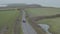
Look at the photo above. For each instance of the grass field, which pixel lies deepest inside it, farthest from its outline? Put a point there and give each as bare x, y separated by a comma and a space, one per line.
8, 17
54, 23
43, 11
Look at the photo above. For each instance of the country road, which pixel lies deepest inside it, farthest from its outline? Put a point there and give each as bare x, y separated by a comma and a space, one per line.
26, 27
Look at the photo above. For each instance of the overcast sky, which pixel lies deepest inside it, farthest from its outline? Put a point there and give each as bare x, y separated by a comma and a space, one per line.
42, 2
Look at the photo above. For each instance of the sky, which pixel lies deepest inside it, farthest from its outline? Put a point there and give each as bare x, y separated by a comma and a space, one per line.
53, 3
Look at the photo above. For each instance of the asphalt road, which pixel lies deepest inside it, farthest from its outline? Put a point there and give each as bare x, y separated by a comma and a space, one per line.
27, 28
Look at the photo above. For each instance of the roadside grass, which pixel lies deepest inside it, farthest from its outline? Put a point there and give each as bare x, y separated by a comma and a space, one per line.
54, 23
20, 18
21, 30
8, 17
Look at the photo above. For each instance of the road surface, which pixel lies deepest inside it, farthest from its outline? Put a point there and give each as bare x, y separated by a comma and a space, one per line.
27, 28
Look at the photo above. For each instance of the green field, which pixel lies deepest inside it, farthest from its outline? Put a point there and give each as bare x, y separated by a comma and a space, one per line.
54, 23
8, 17
43, 11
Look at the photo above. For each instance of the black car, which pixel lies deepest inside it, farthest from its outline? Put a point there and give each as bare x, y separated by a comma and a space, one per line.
24, 21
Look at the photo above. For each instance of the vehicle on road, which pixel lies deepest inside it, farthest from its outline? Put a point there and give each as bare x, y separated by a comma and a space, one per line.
24, 21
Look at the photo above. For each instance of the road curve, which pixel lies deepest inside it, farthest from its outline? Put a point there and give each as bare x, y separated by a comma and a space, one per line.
27, 28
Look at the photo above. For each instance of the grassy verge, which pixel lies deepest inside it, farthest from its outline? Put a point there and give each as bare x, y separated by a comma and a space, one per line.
54, 23
21, 31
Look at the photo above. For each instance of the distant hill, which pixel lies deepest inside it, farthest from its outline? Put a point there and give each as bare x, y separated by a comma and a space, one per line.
22, 5
16, 5
34, 5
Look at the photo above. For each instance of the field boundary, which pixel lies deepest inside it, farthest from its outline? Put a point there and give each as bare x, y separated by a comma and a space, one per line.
45, 17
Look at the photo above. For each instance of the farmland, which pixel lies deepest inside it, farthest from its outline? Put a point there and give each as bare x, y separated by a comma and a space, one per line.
8, 17
54, 22
43, 11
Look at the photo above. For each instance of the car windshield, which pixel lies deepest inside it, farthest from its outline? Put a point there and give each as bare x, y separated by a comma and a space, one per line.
29, 16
